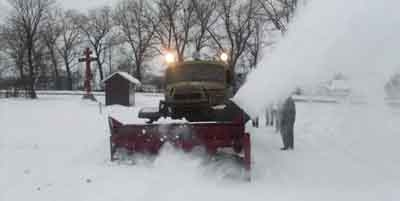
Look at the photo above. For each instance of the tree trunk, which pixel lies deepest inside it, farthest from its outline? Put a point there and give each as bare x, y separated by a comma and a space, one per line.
57, 78
138, 71
31, 83
21, 72
55, 66
101, 71
110, 60
69, 76
100, 66
20, 64
180, 57
234, 83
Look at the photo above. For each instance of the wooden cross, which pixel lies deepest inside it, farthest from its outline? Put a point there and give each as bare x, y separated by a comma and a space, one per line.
88, 74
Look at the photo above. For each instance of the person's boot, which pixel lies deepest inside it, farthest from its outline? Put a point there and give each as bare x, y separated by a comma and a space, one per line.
284, 148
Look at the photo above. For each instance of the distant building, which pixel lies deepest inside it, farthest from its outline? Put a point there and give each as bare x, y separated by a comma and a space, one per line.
392, 88
148, 88
120, 89
337, 87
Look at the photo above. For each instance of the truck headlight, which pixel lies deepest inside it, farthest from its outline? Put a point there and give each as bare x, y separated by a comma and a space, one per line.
224, 57
169, 58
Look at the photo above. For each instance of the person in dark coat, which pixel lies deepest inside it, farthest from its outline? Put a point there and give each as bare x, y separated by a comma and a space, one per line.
269, 116
288, 117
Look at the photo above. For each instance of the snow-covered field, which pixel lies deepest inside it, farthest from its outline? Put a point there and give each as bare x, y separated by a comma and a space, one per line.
56, 148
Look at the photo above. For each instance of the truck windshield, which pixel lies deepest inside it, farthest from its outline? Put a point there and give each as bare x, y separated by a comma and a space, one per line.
196, 72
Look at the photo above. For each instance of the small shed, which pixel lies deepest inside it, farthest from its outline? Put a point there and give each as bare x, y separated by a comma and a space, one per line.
120, 89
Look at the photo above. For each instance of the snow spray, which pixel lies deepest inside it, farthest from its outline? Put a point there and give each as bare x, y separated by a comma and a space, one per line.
359, 38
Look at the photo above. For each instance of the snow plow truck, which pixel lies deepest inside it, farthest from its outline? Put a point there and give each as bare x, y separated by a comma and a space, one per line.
199, 92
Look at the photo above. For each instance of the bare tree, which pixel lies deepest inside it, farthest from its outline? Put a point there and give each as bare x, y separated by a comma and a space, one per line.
13, 45
29, 15
3, 61
176, 22
288, 9
273, 13
279, 12
50, 33
42, 64
206, 17
255, 44
69, 41
97, 26
260, 40
138, 26
238, 24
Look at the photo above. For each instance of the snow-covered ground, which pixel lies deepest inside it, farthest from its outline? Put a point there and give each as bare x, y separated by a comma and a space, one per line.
56, 148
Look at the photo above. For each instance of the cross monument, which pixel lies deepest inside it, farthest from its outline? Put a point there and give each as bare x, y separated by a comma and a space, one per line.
88, 74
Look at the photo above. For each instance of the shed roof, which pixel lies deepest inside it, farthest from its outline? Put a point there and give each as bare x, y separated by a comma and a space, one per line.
124, 75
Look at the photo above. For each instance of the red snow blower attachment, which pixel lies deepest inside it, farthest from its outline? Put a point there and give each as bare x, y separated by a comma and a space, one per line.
149, 138
224, 134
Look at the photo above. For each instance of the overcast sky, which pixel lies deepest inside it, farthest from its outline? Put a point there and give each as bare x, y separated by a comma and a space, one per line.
81, 5
85, 4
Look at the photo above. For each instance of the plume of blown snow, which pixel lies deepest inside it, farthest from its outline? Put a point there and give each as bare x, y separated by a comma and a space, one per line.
358, 38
